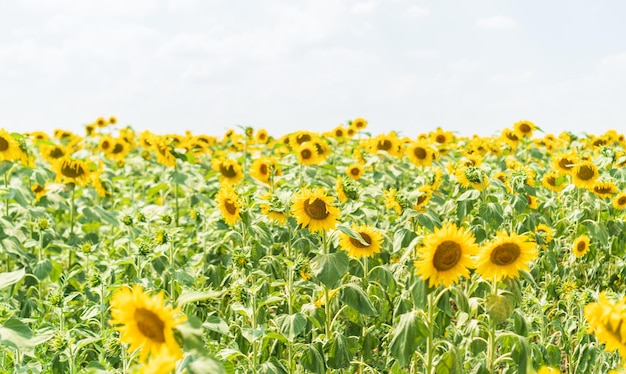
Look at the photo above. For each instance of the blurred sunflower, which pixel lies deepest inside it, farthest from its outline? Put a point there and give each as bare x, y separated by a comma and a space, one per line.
229, 204
101, 122
53, 152
322, 148
420, 153
545, 232
119, 150
509, 137
145, 323
300, 137
441, 137
585, 174
261, 136
346, 189
367, 246
359, 124
69, 170
391, 199
355, 171
548, 370
229, 170
274, 208
524, 128
564, 162
446, 255
553, 181
580, 247
425, 194
471, 176
619, 201
38, 190
339, 132
38, 136
307, 154
262, 168
505, 255
163, 149
314, 210
9, 147
161, 364
607, 321
388, 143
604, 189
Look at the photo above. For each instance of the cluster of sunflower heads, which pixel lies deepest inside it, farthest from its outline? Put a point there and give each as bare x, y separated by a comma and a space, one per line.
607, 321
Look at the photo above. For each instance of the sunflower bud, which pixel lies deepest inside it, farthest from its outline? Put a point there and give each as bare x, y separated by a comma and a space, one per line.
43, 224
127, 220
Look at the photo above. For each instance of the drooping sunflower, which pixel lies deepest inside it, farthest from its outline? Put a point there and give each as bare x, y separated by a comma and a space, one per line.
607, 321
471, 176
619, 201
505, 255
391, 198
9, 147
446, 255
314, 210
307, 154
420, 153
580, 247
230, 171
604, 189
346, 189
368, 246
524, 128
545, 232
163, 148
229, 204
146, 323
585, 174
69, 170
355, 171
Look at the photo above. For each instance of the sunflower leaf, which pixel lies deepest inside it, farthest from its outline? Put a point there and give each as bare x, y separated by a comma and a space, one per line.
7, 279
410, 331
356, 298
329, 268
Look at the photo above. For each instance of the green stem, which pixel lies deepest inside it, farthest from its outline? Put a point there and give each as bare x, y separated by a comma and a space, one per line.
491, 349
171, 263
328, 324
430, 341
73, 188
6, 184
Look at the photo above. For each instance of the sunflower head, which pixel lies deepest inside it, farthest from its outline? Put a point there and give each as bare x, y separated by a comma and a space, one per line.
524, 128
355, 171
585, 174
619, 201
420, 153
580, 247
314, 210
606, 320
505, 256
229, 204
307, 154
229, 170
365, 241
69, 170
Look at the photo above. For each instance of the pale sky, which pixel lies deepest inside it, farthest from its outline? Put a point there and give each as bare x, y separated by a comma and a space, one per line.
411, 66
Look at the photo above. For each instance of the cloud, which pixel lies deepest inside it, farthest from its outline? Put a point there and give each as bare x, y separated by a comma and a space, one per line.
416, 12
422, 54
364, 7
496, 22
611, 70
504, 78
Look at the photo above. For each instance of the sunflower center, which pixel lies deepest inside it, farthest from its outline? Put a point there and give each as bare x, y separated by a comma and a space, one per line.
150, 325
420, 153
384, 145
38, 189
421, 199
263, 169
447, 255
354, 171
106, 145
72, 170
565, 164
525, 128
585, 173
339, 133
228, 171
306, 154
622, 200
581, 246
230, 206
551, 180
118, 148
602, 190
512, 136
366, 238
303, 138
505, 254
4, 145
440, 139
316, 209
57, 153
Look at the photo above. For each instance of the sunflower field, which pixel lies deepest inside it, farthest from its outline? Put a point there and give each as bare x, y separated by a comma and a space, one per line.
314, 252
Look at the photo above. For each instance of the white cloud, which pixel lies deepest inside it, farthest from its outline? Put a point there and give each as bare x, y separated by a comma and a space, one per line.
364, 7
415, 12
496, 22
422, 54
611, 70
504, 78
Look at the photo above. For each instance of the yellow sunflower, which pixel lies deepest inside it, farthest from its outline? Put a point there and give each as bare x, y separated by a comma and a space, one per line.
580, 247
509, 137
9, 147
314, 210
391, 200
261, 136
274, 208
604, 189
388, 143
446, 255
163, 148
545, 232
607, 321
230, 170
585, 174
119, 150
69, 170
261, 169
145, 323
339, 132
359, 123
307, 154
553, 181
564, 162
548, 370
420, 153
471, 176
368, 246
161, 364
425, 194
38, 190
229, 204
524, 128
505, 255
441, 137
101, 122
619, 201
355, 171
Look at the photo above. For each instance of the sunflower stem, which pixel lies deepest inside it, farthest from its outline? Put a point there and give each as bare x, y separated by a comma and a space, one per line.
429, 342
73, 188
176, 195
6, 185
491, 349
327, 325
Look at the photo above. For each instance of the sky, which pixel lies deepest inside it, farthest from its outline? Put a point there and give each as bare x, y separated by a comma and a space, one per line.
471, 67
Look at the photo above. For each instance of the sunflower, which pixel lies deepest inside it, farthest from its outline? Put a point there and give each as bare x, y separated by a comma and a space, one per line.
274, 208
619, 201
69, 170
367, 246
38, 136
607, 321
425, 194
585, 174
119, 150
314, 210
359, 123
391, 200
388, 143
261, 169
471, 176
446, 255
101, 122
161, 364
524, 128
307, 154
580, 247
9, 147
564, 162
163, 148
505, 255
604, 189
420, 153
322, 148
301, 137
38, 190
355, 171
553, 181
509, 137
229, 204
145, 323
339, 132
261, 136
98, 185
441, 137
346, 189
545, 232
532, 201
230, 170
548, 370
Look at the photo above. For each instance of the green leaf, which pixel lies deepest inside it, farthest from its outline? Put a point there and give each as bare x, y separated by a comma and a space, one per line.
7, 279
407, 335
206, 365
291, 325
355, 297
353, 234
341, 349
329, 268
194, 296
469, 195
450, 363
313, 360
43, 269
216, 324
18, 335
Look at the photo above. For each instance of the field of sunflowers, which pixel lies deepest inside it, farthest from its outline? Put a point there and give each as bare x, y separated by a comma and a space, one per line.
333, 252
